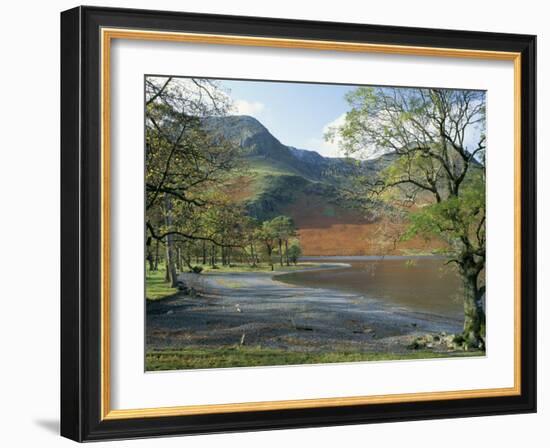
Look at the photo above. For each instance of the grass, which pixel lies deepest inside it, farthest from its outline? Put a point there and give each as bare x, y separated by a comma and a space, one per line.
210, 358
259, 166
155, 286
264, 177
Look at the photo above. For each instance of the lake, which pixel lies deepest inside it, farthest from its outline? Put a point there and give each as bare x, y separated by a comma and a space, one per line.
422, 284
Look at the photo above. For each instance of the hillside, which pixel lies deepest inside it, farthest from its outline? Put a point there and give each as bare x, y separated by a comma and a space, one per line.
306, 186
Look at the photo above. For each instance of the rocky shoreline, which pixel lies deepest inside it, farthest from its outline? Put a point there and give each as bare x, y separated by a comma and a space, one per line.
228, 309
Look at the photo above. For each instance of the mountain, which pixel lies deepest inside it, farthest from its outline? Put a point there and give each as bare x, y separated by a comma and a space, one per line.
262, 149
304, 185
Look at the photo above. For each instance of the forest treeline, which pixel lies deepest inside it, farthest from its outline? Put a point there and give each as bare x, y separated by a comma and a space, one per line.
192, 219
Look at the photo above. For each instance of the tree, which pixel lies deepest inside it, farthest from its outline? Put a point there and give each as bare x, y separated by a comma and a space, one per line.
268, 235
284, 229
226, 222
187, 162
171, 274
438, 177
294, 251
251, 232
184, 156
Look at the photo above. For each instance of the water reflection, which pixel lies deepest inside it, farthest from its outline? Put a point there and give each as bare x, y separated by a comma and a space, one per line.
420, 284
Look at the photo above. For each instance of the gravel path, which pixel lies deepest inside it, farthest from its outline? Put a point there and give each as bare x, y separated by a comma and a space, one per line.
256, 309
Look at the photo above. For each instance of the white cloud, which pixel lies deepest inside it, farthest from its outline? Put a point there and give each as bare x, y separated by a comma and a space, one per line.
243, 107
335, 144
337, 122
333, 148
328, 148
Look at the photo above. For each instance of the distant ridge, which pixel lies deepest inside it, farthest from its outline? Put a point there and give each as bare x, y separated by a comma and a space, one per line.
259, 144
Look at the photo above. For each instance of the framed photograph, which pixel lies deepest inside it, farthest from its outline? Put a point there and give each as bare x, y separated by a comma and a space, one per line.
273, 223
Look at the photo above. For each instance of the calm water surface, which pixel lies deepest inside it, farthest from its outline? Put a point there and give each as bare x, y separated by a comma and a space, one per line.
423, 284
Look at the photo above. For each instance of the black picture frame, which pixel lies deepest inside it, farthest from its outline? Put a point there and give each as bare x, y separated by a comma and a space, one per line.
81, 224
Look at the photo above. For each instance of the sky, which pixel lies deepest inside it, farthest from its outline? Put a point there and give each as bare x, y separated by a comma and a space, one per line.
297, 114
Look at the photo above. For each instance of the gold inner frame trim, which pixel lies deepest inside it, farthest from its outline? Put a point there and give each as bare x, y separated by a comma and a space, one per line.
107, 35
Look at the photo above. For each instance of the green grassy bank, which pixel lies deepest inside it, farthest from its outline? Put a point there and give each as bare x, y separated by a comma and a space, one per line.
155, 286
209, 358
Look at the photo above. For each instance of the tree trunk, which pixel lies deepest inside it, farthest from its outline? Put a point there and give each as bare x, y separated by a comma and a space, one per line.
170, 252
213, 256
252, 254
156, 267
204, 252
166, 257
178, 259
280, 252
269, 253
286, 253
474, 314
